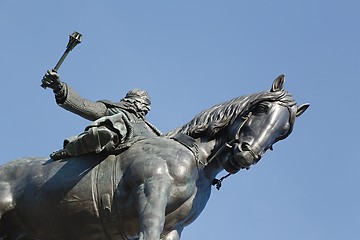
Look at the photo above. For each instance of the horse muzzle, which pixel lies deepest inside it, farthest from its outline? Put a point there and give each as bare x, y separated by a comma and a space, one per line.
243, 157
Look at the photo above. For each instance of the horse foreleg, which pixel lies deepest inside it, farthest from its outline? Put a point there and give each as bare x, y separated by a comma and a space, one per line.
152, 200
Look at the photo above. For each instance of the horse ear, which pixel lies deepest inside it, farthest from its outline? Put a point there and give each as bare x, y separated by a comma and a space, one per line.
301, 109
278, 83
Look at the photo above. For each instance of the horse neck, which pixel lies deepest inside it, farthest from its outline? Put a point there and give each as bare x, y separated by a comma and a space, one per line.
207, 151
207, 147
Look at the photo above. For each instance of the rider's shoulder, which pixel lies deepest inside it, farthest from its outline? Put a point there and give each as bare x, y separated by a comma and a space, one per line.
110, 104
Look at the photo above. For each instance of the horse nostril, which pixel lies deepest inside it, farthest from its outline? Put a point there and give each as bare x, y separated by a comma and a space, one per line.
245, 146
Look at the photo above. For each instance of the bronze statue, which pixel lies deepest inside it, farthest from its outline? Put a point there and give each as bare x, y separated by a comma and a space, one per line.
116, 125
153, 189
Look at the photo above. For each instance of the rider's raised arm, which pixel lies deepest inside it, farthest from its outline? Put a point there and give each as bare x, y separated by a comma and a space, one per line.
70, 100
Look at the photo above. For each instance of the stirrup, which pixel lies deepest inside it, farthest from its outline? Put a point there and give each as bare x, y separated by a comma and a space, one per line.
59, 154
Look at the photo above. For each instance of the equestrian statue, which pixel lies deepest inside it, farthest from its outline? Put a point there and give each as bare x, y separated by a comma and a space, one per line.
122, 179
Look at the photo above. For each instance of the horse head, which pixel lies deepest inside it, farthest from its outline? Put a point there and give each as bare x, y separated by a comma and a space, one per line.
268, 119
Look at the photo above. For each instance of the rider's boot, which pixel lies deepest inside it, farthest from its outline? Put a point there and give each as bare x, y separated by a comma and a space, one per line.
59, 154
95, 139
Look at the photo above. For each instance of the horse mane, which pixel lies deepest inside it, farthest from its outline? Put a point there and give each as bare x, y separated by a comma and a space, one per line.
216, 118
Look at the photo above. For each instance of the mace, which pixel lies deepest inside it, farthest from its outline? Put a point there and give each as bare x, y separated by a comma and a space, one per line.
74, 39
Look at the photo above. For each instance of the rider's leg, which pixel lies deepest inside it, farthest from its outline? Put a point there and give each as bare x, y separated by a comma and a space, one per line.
95, 139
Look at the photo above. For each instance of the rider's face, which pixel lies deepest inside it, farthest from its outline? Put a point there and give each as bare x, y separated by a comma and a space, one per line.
143, 108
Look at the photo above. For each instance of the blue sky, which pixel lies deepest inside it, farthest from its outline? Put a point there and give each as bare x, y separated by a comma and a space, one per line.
190, 55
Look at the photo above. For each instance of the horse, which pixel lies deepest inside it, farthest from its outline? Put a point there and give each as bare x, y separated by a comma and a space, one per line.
155, 188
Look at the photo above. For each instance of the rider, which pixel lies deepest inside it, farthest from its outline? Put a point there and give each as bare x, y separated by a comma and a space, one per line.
115, 125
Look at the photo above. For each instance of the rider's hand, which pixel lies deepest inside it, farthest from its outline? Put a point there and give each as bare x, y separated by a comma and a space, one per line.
52, 80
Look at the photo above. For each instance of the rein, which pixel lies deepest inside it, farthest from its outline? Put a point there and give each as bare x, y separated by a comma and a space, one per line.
217, 182
228, 146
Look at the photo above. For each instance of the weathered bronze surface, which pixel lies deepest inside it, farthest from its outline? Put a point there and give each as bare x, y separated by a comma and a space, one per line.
152, 190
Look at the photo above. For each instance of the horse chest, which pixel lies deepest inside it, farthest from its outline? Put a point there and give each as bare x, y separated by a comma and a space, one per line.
190, 209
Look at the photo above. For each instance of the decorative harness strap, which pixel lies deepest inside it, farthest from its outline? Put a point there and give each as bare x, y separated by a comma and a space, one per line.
189, 143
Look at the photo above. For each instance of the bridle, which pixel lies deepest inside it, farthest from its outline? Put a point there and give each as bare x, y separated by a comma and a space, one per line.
236, 140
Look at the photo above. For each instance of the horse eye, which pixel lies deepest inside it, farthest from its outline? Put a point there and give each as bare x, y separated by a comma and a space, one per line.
261, 108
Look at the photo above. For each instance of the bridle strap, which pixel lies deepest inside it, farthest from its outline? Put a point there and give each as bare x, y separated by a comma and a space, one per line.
189, 143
